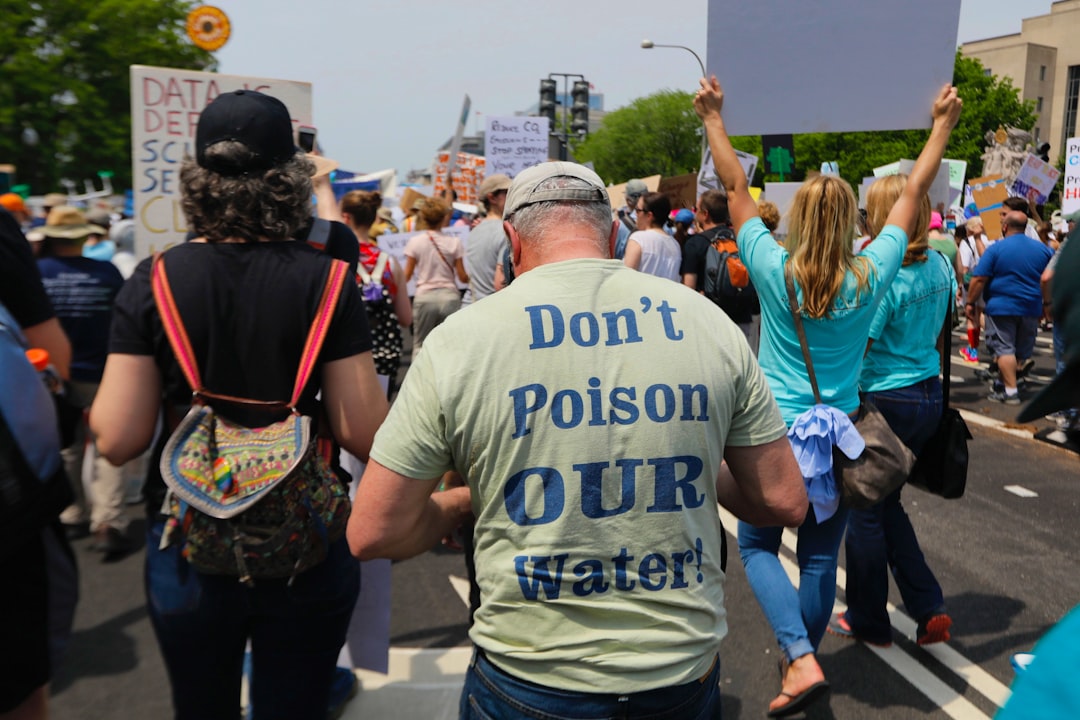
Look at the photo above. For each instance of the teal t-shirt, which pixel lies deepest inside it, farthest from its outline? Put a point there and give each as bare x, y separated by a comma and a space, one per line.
587, 406
837, 341
907, 324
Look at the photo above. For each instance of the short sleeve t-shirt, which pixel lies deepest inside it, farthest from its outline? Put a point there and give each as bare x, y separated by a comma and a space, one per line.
590, 427
837, 342
432, 271
660, 254
486, 243
1013, 267
247, 308
82, 291
907, 324
693, 255
21, 290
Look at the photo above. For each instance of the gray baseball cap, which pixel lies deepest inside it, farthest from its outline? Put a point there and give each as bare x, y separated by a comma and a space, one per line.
523, 190
636, 187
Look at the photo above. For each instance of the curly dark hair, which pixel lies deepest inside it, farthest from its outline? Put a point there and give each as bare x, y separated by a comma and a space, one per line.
273, 204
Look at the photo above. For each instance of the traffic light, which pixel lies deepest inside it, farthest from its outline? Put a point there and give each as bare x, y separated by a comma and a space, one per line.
547, 100
579, 109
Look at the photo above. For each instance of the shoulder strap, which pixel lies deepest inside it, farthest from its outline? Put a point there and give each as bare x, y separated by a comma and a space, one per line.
946, 342
174, 325
335, 280
319, 233
185, 355
449, 264
380, 264
793, 304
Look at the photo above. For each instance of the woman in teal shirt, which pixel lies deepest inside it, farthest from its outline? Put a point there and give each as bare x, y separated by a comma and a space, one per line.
900, 376
838, 293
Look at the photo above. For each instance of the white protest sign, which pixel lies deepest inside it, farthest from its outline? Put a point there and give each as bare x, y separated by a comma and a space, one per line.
512, 144
1070, 193
886, 170
781, 195
817, 52
707, 179
1035, 174
165, 108
957, 173
864, 188
940, 193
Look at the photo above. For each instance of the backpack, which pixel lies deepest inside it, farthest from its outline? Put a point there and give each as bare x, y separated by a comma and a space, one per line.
386, 343
251, 502
34, 488
727, 282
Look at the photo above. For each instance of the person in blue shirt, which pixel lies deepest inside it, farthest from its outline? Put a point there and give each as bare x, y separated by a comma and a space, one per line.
1007, 276
838, 293
900, 376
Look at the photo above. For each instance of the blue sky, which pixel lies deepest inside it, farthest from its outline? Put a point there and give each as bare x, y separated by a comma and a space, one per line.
389, 75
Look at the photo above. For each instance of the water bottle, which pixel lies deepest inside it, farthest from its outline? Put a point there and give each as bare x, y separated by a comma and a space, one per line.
39, 358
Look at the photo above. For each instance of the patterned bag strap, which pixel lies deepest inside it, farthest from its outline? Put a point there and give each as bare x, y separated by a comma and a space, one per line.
449, 264
793, 304
335, 281
185, 355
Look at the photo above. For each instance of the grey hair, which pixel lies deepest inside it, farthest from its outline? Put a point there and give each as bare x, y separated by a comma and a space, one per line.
545, 219
272, 204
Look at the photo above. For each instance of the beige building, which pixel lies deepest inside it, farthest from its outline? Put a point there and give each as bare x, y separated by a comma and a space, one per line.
1043, 61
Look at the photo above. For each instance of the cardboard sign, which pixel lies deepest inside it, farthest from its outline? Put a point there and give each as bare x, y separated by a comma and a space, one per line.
819, 51
682, 189
707, 179
1070, 193
469, 172
165, 108
512, 144
988, 194
617, 193
1038, 175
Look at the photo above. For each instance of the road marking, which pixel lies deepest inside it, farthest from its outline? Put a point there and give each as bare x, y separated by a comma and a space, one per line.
979, 419
922, 679
461, 587
1021, 491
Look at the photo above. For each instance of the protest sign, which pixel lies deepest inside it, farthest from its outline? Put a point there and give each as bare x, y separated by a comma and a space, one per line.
1070, 193
617, 193
781, 195
165, 108
707, 179
816, 55
939, 192
682, 189
1038, 175
459, 133
957, 173
512, 144
408, 197
886, 170
866, 183
830, 167
468, 174
988, 194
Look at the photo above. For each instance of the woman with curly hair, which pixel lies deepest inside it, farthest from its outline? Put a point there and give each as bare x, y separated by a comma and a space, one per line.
435, 260
837, 294
247, 295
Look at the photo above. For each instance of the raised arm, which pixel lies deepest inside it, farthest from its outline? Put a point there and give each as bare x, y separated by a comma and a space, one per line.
708, 103
946, 111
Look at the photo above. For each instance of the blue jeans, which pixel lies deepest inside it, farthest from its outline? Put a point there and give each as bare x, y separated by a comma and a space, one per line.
202, 623
881, 538
798, 619
491, 694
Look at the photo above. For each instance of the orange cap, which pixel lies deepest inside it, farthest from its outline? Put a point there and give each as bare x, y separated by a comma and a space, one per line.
38, 357
13, 202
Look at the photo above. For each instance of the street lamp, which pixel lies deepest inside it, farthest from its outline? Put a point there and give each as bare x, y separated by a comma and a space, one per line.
649, 45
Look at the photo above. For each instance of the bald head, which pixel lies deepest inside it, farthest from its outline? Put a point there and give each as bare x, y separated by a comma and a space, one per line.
1014, 222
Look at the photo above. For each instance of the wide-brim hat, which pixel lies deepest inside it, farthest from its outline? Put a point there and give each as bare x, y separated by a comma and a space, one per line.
323, 166
68, 223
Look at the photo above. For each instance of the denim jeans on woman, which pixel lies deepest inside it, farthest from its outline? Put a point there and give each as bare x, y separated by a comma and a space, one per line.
798, 618
202, 623
491, 694
881, 537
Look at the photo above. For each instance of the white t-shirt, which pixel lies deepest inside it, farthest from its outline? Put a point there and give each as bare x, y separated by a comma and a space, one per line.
660, 254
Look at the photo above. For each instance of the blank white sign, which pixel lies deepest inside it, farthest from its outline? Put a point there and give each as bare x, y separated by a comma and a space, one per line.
800, 66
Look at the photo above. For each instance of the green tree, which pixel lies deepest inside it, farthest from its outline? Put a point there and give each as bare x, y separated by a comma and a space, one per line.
64, 80
656, 134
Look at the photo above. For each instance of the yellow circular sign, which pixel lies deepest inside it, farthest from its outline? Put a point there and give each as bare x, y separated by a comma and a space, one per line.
208, 27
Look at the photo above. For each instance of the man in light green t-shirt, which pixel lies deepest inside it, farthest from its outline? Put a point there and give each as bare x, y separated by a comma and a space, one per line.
589, 409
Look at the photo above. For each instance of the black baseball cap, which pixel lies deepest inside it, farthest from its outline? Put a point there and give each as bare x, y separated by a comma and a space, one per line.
254, 119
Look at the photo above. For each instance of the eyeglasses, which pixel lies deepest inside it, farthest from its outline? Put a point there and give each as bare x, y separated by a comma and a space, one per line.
641, 210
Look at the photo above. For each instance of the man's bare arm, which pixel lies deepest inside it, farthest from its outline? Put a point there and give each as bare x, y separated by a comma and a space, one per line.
763, 485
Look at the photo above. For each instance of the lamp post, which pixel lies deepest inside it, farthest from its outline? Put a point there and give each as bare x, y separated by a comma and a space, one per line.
649, 45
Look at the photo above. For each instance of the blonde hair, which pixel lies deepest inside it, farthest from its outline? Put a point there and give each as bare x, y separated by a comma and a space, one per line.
821, 229
433, 211
880, 199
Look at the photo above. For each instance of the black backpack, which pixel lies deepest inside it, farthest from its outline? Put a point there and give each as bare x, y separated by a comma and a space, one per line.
727, 281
